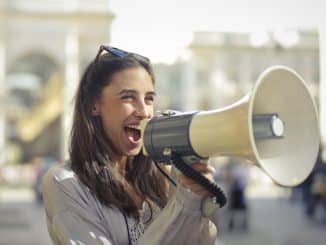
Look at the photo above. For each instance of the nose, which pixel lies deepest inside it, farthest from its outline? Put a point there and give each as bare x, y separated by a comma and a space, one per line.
143, 111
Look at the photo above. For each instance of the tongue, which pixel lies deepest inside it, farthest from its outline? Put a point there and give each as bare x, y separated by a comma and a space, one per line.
132, 134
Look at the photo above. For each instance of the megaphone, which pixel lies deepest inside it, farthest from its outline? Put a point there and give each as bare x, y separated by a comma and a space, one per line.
275, 127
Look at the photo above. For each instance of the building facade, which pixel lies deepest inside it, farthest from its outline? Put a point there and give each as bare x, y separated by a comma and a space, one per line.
44, 45
226, 65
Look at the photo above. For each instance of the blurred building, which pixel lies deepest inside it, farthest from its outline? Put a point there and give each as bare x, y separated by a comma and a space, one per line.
44, 44
226, 65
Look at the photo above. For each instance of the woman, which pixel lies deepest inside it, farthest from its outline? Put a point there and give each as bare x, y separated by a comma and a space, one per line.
109, 192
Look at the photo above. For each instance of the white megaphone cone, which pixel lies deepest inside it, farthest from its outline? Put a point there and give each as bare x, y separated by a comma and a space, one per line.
275, 126
287, 160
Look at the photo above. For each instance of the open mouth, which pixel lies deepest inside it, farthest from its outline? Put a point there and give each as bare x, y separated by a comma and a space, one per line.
133, 134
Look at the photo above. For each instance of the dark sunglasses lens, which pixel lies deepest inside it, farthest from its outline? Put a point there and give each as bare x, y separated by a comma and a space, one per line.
141, 58
121, 54
117, 52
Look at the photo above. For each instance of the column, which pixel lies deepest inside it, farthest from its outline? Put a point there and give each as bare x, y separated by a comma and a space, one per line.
70, 84
2, 102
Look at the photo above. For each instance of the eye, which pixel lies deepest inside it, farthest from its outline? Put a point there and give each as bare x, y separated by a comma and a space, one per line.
127, 97
150, 99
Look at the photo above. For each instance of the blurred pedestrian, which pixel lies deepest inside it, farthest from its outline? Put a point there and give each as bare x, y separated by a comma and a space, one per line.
314, 189
43, 164
238, 205
317, 191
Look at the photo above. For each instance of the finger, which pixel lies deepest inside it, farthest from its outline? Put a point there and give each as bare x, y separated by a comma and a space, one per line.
203, 167
203, 193
198, 189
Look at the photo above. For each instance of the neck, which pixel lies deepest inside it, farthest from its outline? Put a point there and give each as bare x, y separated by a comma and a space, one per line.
121, 165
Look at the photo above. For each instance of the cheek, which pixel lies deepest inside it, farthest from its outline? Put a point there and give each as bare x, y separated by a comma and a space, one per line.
113, 119
150, 109
108, 126
151, 112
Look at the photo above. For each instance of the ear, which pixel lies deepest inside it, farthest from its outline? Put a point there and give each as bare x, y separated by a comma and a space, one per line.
96, 110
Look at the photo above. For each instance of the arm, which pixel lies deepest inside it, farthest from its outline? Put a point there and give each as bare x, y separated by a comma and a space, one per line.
72, 215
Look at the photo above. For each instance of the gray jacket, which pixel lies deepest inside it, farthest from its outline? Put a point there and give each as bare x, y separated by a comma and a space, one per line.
75, 216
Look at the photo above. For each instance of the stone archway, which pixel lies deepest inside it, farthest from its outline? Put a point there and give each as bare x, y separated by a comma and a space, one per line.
44, 44
33, 84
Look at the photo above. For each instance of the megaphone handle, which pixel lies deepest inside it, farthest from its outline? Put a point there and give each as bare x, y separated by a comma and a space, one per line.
209, 185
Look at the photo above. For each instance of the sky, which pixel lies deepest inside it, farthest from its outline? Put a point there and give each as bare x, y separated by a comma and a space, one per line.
162, 30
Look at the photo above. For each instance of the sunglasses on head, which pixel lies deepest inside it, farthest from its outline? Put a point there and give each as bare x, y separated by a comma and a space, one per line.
120, 53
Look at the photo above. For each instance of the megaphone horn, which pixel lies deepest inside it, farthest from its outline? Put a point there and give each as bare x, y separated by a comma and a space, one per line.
275, 126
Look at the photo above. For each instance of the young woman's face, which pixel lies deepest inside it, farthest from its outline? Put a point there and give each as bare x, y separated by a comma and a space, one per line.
123, 103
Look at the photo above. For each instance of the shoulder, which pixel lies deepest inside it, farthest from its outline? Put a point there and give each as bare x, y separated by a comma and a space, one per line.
59, 175
62, 189
59, 172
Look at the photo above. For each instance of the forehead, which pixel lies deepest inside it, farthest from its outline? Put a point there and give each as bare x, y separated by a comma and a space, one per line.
136, 78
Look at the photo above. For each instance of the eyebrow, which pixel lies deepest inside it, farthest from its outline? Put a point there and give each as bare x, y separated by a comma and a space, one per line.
124, 91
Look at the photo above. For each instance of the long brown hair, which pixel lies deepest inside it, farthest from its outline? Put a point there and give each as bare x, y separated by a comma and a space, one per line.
92, 154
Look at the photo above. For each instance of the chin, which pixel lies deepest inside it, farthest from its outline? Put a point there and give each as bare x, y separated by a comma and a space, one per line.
133, 152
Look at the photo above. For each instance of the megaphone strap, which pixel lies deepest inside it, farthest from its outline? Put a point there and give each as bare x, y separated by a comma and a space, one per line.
209, 185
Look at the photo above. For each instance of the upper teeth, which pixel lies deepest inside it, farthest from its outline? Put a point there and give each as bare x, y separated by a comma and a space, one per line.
134, 127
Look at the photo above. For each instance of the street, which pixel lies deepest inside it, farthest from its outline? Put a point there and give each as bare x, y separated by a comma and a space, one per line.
23, 223
276, 222
273, 221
